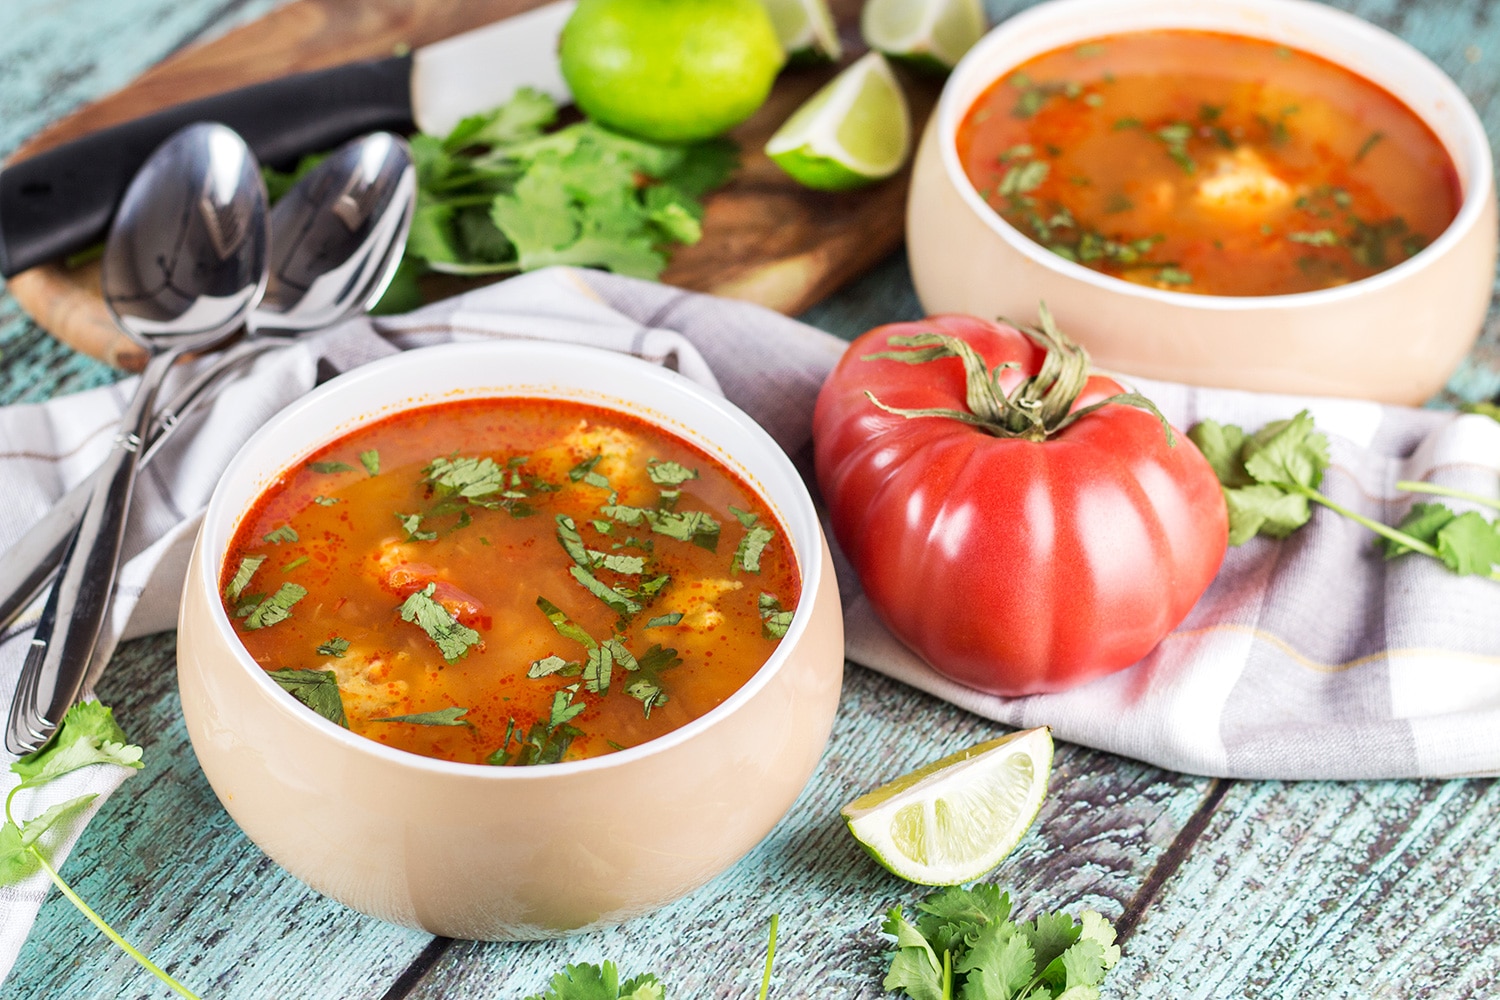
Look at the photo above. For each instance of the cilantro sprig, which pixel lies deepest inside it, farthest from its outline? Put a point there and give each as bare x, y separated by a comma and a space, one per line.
964, 943
505, 192
88, 735
1270, 479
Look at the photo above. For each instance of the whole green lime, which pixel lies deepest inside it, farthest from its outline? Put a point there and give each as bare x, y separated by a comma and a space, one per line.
670, 70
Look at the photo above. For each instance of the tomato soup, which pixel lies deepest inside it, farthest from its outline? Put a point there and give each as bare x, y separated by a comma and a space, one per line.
510, 581
1209, 163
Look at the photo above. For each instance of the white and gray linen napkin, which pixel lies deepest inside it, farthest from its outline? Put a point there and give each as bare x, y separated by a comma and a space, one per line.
1311, 657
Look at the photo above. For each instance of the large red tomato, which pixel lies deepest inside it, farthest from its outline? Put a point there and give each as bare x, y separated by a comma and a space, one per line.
1016, 543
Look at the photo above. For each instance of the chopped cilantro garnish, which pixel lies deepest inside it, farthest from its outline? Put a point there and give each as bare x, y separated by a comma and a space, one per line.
774, 620
664, 620
328, 468
276, 608
619, 602
1317, 238
470, 478
317, 689
241, 579
669, 473
323, 501
294, 564
745, 517
549, 665
747, 555
412, 525
548, 739
564, 625
582, 469
1174, 276
285, 533
371, 461
1368, 145
453, 716
337, 646
452, 637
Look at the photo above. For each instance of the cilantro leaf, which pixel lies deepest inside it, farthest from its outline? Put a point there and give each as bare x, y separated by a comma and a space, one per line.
664, 620
317, 689
1264, 509
88, 735
774, 619
549, 665
452, 716
999, 964
453, 638
412, 525
669, 473
323, 501
16, 858
1422, 522
618, 602
564, 625
915, 969
1469, 544
1287, 452
337, 646
242, 575
285, 533
747, 554
469, 478
328, 468
522, 117
276, 608
1221, 445
371, 461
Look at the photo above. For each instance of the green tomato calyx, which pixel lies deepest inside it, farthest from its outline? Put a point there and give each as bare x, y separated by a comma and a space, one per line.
1040, 406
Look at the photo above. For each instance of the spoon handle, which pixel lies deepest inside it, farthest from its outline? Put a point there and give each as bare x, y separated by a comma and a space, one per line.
65, 639
31, 563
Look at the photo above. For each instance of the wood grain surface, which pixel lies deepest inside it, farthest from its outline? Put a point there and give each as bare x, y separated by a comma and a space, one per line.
766, 238
1254, 890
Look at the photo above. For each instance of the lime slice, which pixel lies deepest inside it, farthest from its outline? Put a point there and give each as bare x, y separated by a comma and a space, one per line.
928, 34
806, 30
954, 820
857, 129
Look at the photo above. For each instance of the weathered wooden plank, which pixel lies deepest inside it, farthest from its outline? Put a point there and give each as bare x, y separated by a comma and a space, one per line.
1321, 889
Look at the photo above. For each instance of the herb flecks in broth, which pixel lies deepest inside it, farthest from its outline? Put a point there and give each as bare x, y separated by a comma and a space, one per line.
422, 578
1186, 160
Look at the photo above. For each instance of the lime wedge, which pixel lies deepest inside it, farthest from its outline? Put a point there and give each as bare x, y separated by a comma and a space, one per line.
954, 820
855, 130
806, 30
928, 34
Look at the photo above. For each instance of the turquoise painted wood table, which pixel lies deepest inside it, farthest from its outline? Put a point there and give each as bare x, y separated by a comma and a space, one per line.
1219, 888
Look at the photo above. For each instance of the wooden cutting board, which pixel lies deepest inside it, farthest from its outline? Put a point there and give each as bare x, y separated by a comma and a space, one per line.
765, 238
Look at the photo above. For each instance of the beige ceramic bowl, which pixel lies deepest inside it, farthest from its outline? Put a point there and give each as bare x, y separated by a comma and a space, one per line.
1395, 336
471, 851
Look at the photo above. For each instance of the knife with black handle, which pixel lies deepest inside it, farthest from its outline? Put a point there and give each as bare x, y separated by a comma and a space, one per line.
60, 201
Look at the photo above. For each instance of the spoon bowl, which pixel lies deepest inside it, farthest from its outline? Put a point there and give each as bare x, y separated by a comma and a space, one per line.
338, 235
184, 264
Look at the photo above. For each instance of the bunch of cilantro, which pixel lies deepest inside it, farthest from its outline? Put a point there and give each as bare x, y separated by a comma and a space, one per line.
1271, 478
964, 944
504, 192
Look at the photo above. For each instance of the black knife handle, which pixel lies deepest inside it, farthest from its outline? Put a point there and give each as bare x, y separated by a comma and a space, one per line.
60, 201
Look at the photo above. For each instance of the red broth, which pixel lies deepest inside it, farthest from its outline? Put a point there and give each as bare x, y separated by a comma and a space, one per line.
532, 580
1208, 163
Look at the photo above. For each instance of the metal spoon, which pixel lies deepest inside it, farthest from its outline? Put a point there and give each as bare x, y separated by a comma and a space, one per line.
374, 173
184, 264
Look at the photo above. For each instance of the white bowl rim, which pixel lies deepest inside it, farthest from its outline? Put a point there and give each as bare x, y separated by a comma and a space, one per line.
809, 563
1475, 151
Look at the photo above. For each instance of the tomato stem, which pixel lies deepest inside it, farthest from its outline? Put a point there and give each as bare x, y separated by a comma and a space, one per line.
1039, 406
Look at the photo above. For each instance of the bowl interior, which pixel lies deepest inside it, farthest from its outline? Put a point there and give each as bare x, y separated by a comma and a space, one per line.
1339, 37
526, 369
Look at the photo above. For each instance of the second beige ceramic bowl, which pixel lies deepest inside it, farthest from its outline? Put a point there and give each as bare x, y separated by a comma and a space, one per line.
1394, 337
470, 851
